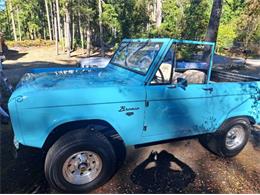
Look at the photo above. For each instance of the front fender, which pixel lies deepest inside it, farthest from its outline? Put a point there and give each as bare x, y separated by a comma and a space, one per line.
39, 123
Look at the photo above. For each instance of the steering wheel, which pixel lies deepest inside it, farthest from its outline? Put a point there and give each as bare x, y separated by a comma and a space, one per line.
145, 60
159, 79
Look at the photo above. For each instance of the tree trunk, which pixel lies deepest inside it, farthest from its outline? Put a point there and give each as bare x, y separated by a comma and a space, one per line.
61, 37
158, 13
31, 34
44, 33
48, 19
101, 28
88, 39
150, 15
63, 29
73, 32
65, 32
7, 17
68, 34
154, 11
214, 21
52, 18
34, 34
82, 39
56, 35
19, 24
81, 31
13, 22
58, 19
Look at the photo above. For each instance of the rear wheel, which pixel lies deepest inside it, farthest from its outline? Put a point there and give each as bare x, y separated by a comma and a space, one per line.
230, 139
80, 161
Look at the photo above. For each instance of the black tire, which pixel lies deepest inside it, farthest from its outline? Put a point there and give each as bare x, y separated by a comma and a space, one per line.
120, 151
71, 143
256, 135
216, 142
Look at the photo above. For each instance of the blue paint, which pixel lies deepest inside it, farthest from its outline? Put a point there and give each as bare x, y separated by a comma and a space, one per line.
192, 65
47, 98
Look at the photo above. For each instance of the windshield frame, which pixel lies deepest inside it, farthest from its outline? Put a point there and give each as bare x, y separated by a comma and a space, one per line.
144, 41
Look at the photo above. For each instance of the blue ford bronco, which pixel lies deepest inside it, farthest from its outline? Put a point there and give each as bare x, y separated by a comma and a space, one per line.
152, 91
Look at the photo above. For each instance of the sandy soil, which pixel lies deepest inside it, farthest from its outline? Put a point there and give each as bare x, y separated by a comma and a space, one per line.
199, 170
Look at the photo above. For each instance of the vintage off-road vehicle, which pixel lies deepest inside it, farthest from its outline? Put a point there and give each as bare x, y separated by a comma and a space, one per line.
152, 90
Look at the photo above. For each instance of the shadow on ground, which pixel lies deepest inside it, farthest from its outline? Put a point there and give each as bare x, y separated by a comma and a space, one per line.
14, 54
162, 176
35, 64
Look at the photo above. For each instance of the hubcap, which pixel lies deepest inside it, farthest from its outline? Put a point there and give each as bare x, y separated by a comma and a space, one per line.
82, 167
235, 137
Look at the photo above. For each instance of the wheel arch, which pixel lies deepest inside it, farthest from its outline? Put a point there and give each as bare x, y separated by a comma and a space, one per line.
251, 120
215, 142
101, 126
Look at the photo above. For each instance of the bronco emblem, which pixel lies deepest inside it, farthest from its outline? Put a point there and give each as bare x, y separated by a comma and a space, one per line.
123, 109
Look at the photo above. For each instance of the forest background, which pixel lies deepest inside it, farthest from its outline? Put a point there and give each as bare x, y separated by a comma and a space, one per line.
102, 24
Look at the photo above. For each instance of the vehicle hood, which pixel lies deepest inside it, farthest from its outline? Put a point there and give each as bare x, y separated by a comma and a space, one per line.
78, 87
76, 78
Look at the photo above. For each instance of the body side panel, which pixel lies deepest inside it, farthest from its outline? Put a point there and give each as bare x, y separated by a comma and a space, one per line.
234, 99
178, 113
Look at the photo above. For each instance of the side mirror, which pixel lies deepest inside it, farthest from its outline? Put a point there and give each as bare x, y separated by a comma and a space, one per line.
182, 83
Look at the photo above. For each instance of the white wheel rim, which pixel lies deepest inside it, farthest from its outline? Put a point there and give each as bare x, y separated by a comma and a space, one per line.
235, 137
82, 167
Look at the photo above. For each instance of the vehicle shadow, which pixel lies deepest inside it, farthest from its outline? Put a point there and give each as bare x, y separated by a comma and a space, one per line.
159, 174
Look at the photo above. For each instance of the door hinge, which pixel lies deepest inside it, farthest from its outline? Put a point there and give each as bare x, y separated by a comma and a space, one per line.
145, 128
146, 103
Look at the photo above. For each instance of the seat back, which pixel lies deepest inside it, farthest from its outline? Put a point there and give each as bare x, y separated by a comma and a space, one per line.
195, 76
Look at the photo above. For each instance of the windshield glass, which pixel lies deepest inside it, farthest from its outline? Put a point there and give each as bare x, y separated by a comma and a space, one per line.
136, 56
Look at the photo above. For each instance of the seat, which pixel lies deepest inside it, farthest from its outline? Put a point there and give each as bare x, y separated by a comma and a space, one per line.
194, 76
166, 68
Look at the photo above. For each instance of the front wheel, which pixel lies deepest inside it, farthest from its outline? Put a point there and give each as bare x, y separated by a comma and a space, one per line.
230, 139
79, 162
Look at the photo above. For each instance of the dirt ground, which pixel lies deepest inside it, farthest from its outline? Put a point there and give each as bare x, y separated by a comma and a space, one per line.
193, 170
